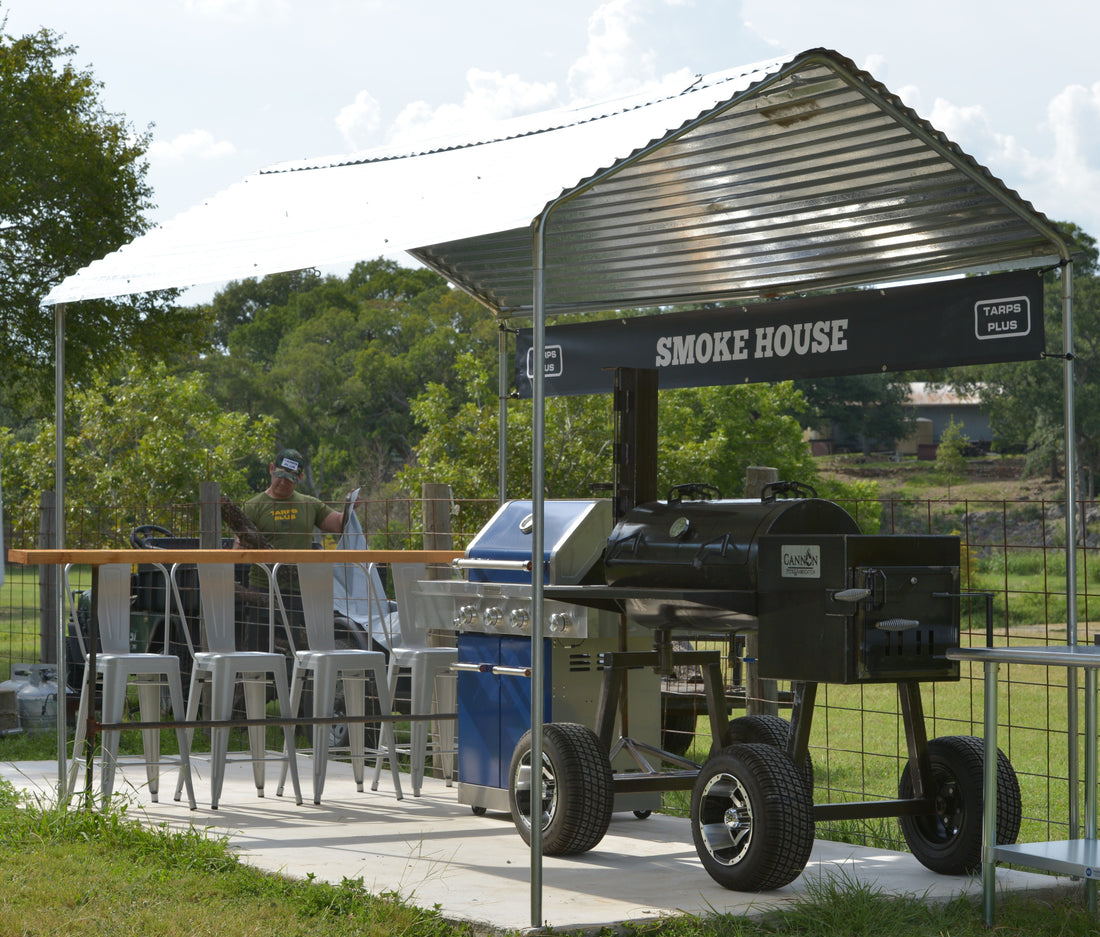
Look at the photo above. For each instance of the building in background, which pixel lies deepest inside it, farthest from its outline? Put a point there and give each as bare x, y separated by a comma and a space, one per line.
934, 407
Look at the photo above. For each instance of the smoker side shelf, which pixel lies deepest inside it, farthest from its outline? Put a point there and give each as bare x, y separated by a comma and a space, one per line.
1077, 857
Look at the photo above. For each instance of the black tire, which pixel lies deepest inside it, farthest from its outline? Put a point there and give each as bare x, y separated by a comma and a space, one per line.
950, 840
751, 818
768, 730
578, 793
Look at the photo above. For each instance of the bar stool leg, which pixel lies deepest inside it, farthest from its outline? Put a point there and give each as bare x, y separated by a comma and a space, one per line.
149, 708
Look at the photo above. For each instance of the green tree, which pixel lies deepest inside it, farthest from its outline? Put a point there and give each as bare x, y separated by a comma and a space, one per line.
714, 433
72, 188
705, 434
951, 453
337, 361
136, 446
461, 428
239, 302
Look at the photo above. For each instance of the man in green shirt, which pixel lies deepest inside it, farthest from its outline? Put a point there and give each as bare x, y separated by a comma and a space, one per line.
284, 515
287, 518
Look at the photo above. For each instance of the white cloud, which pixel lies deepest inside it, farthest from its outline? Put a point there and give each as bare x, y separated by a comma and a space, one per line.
612, 63
358, 120
490, 97
197, 144
1063, 181
619, 59
238, 11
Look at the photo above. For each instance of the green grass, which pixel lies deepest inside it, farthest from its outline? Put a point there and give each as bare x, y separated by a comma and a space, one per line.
79, 872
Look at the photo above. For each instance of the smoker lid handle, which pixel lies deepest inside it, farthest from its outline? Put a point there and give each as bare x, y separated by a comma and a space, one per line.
897, 624
851, 595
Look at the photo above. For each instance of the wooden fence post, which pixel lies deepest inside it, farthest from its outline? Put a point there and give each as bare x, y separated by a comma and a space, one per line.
210, 515
436, 500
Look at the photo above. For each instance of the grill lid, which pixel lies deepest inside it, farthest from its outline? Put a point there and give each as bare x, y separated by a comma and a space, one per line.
709, 544
574, 536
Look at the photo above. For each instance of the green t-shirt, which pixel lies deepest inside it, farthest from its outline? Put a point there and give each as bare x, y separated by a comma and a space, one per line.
287, 523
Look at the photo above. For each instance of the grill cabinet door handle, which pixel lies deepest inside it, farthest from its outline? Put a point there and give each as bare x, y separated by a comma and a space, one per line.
897, 624
523, 565
851, 595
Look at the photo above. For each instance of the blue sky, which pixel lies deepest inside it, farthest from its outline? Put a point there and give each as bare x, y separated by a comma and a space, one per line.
229, 86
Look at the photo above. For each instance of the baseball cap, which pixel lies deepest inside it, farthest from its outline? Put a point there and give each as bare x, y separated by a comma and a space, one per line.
290, 465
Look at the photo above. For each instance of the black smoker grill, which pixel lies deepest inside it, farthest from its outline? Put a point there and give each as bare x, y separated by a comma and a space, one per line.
829, 605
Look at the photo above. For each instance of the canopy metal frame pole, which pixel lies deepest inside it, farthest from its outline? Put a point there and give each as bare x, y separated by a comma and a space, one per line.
1069, 397
502, 415
538, 510
59, 312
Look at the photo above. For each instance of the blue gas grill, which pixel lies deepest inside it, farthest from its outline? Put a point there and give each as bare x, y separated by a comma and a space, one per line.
490, 609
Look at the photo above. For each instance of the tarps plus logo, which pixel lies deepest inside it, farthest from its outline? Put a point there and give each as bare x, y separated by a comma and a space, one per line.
551, 362
1002, 318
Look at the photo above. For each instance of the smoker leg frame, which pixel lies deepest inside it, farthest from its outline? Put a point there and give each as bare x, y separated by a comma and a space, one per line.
912, 711
647, 778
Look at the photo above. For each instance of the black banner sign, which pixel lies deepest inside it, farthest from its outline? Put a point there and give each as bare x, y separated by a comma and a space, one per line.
975, 320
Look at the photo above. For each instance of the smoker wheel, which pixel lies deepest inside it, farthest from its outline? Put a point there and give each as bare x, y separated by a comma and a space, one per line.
578, 793
751, 818
950, 841
769, 730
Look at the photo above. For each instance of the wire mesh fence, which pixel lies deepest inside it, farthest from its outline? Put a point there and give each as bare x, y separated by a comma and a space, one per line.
1013, 552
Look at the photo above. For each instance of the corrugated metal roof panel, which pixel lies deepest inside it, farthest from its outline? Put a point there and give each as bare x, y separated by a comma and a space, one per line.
776, 178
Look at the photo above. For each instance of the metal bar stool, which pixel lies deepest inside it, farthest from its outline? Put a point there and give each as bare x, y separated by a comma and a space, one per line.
425, 665
222, 666
114, 665
328, 664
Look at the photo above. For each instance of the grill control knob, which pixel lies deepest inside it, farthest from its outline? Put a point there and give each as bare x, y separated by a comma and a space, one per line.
494, 617
521, 619
560, 622
467, 616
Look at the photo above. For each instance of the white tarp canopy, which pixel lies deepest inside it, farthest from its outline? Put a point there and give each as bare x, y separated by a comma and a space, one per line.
354, 207
794, 174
